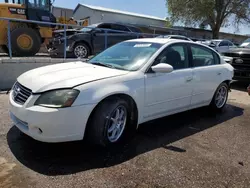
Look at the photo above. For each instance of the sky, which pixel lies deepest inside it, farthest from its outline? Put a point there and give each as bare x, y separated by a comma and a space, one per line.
149, 7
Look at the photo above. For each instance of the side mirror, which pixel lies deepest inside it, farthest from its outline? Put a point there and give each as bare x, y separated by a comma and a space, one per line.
212, 45
162, 68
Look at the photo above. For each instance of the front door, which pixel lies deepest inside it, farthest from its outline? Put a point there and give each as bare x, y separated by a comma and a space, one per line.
98, 40
168, 93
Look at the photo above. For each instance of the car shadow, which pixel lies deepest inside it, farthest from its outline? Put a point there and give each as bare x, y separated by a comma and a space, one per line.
240, 85
73, 157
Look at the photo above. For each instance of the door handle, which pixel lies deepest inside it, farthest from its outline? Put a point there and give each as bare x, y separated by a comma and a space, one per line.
189, 79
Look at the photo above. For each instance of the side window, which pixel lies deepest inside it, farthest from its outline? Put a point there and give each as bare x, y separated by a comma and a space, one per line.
119, 27
223, 43
230, 44
104, 26
175, 55
203, 56
135, 30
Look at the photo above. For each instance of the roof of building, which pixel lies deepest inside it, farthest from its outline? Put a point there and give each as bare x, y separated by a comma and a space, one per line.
118, 11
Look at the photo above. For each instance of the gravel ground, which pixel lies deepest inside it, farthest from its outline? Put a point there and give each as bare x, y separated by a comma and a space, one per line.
191, 149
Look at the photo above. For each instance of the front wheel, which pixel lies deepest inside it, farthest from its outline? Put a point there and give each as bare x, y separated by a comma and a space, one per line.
110, 123
220, 97
25, 41
81, 50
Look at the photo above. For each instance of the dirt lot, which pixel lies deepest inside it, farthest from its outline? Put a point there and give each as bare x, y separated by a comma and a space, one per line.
191, 149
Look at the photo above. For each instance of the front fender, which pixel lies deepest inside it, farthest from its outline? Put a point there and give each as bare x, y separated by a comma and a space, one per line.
95, 94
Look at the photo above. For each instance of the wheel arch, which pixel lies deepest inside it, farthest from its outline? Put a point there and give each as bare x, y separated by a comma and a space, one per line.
132, 104
228, 82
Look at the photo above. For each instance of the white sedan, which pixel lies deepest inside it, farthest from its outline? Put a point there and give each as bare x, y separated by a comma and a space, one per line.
106, 98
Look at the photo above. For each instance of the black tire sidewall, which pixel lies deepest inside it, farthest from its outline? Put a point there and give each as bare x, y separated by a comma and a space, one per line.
28, 31
5, 49
97, 132
213, 103
85, 46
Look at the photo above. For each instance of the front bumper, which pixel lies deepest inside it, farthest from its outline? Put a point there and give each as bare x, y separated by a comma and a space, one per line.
50, 124
56, 48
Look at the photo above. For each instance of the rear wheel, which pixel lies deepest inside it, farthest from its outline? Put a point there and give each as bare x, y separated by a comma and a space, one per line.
25, 41
220, 97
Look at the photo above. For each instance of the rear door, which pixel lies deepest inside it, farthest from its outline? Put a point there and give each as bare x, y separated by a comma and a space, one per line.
207, 74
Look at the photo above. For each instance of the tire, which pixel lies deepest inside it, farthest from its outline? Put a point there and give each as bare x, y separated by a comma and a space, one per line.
31, 35
81, 50
215, 105
100, 126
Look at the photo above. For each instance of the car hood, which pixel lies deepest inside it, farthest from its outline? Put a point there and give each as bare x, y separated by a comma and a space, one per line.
69, 32
239, 51
65, 75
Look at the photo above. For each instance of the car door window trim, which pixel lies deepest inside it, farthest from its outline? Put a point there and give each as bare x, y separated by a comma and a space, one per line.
215, 55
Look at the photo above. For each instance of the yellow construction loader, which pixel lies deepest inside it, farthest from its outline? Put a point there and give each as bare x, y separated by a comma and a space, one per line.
26, 38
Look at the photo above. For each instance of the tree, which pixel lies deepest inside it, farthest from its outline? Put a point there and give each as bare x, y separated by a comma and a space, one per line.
214, 13
169, 22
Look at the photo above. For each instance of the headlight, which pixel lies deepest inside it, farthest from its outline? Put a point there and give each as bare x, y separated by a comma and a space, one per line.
227, 59
57, 98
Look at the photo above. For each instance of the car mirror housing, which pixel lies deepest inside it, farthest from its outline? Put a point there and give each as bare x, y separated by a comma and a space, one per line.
212, 45
162, 68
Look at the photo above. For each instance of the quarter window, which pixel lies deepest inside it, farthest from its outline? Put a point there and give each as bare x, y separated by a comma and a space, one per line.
175, 55
203, 56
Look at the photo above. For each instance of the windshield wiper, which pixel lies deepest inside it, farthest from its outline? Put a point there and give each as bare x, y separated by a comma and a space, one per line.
102, 64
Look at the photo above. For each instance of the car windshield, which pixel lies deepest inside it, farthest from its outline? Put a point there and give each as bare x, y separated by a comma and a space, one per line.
89, 28
127, 55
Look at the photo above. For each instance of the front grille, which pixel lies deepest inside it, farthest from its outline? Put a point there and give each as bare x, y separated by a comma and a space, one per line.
237, 55
20, 93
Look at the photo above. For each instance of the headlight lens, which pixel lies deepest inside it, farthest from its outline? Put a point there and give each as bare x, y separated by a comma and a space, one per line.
58, 98
227, 59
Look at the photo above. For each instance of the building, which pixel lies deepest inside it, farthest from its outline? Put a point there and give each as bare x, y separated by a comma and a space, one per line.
95, 14
59, 12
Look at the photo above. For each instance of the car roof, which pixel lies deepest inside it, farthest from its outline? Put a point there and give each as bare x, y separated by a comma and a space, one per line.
157, 40
177, 36
181, 36
217, 40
